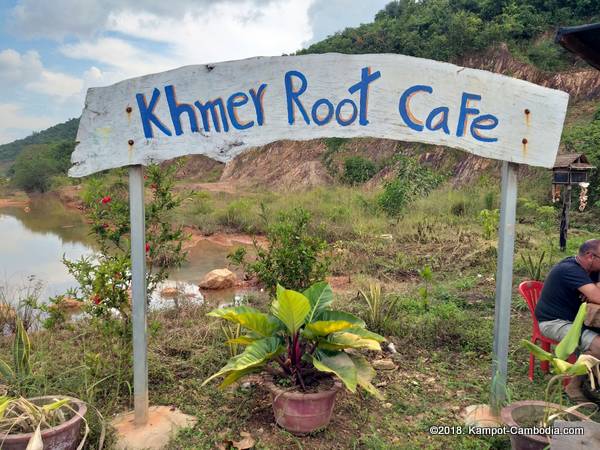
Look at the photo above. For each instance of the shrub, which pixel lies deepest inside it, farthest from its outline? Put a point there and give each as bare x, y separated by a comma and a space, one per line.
37, 164
105, 279
412, 181
293, 258
489, 220
357, 170
459, 208
237, 215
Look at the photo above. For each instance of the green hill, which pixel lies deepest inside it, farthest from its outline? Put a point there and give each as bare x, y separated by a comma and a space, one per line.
58, 133
447, 30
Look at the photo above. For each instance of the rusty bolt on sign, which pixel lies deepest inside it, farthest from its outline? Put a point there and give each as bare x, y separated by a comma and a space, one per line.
128, 109
130, 141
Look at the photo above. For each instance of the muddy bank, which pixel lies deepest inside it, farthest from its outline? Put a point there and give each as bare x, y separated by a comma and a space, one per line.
18, 202
221, 238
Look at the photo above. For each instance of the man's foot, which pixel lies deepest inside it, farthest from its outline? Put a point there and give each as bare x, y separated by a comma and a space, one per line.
574, 390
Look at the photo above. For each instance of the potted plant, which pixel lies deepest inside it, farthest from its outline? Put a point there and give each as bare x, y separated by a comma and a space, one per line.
42, 423
306, 349
38, 423
530, 413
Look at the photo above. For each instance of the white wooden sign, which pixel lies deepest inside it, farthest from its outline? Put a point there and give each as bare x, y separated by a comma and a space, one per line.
219, 110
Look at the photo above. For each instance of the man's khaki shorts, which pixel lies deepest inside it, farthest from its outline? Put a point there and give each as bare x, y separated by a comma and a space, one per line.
557, 329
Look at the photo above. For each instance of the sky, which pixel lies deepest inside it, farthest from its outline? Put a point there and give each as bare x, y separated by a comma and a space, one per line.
52, 51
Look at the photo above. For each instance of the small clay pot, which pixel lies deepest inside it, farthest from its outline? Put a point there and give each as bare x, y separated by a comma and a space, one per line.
301, 413
517, 413
65, 436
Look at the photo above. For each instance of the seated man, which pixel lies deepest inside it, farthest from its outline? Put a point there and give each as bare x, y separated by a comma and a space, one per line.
569, 283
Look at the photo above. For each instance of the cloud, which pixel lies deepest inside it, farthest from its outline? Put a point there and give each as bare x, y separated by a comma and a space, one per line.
329, 16
27, 70
18, 68
58, 19
16, 123
123, 57
224, 32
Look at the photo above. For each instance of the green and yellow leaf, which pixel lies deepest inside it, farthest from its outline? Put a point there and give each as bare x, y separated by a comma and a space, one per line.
291, 308
569, 343
539, 353
343, 340
340, 365
235, 375
255, 355
325, 327
331, 315
320, 296
242, 340
249, 318
364, 333
6, 373
364, 374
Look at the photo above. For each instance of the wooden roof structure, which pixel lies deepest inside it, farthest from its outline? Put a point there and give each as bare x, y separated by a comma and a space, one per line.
583, 40
577, 161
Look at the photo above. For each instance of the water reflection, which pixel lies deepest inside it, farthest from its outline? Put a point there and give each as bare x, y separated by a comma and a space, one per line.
34, 242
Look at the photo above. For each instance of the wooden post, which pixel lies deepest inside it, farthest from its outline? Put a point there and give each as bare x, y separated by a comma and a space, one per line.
564, 219
138, 294
504, 278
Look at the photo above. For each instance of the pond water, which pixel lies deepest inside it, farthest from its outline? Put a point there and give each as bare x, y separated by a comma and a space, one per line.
33, 241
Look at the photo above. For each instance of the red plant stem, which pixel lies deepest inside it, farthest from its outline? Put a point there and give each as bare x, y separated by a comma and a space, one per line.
281, 362
297, 352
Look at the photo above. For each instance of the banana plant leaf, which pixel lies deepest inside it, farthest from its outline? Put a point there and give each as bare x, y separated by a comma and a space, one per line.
364, 374
569, 343
249, 318
255, 355
320, 296
539, 353
340, 365
291, 308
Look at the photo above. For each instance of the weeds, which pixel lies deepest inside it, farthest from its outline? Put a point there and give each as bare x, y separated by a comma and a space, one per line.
534, 266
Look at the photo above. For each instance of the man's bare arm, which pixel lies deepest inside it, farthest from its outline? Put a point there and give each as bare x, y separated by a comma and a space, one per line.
592, 292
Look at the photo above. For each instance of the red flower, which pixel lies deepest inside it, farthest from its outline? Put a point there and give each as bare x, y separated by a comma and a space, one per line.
105, 199
147, 247
104, 225
96, 299
154, 186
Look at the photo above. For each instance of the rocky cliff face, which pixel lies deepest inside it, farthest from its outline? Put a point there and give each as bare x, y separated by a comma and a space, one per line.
579, 83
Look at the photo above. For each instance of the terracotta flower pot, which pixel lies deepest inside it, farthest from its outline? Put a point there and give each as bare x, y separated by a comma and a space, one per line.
65, 436
527, 412
301, 413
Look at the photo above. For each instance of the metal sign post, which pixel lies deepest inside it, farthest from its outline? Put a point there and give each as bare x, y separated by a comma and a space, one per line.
138, 294
504, 276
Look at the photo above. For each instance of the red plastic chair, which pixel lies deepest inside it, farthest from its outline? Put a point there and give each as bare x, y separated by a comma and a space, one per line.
530, 290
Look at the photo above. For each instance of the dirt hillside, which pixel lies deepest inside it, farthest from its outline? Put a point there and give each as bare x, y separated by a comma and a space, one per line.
293, 165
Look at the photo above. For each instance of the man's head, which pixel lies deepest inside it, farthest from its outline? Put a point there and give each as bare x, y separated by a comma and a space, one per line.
589, 255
